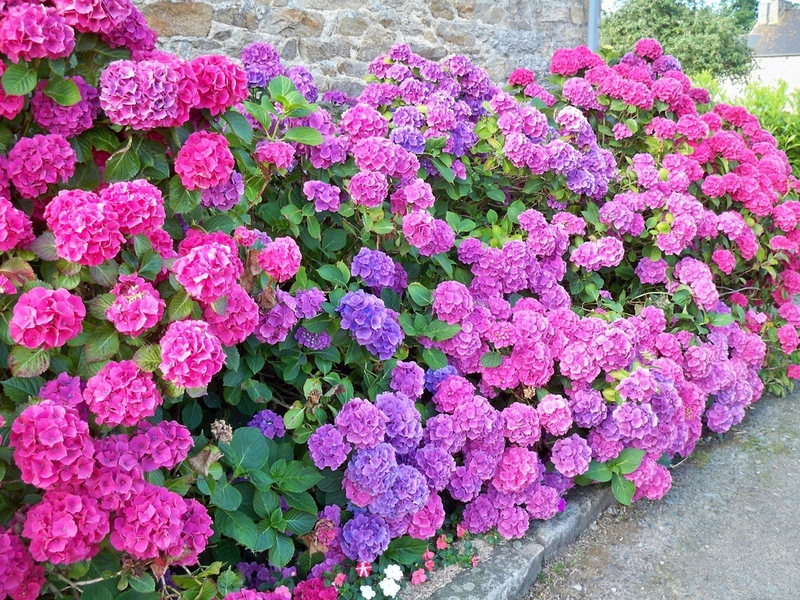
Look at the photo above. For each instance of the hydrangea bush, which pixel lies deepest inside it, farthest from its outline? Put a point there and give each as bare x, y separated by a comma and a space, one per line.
256, 339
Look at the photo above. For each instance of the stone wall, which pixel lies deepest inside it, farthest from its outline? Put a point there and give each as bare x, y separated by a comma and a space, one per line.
336, 39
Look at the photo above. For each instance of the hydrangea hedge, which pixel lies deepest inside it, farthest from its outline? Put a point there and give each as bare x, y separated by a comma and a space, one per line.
249, 341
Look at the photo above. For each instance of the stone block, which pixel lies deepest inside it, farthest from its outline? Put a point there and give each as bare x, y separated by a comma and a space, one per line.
238, 17
456, 34
315, 51
189, 19
294, 22
465, 8
352, 25
374, 42
443, 9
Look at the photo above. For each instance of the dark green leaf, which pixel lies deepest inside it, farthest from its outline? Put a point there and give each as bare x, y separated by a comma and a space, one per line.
122, 166
236, 525
192, 414
299, 522
181, 200
333, 274
180, 306
64, 92
240, 126
19, 79
439, 331
148, 358
20, 389
492, 359
226, 497
229, 581
301, 501
143, 583
420, 294
150, 264
248, 449
282, 551
598, 471
405, 550
265, 502
102, 345
434, 358
298, 477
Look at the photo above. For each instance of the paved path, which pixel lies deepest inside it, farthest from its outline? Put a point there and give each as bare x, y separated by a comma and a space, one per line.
729, 529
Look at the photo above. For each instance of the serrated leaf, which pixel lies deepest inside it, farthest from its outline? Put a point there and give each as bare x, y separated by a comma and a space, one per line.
491, 359
229, 582
226, 497
102, 345
236, 525
192, 414
265, 502
180, 306
720, 319
122, 166
19, 79
181, 200
44, 246
439, 331
148, 358
20, 389
623, 489
231, 357
150, 264
143, 583
25, 362
105, 274
299, 522
304, 135
627, 461
18, 271
248, 449
598, 472
434, 358
301, 501
240, 126
64, 92
405, 550
420, 294
298, 477
282, 551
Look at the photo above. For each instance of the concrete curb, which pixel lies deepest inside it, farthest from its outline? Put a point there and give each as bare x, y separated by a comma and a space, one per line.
513, 566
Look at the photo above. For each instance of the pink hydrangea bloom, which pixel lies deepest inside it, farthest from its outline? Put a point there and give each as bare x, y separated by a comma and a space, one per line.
164, 445
325, 195
10, 106
52, 445
16, 228
280, 259
20, 577
278, 153
221, 83
571, 455
452, 302
361, 423
137, 306
190, 354
30, 31
239, 320
121, 394
204, 160
363, 121
724, 259
419, 228
208, 271
46, 318
517, 469
65, 528
648, 48
65, 120
195, 531
36, 162
86, 230
368, 188
426, 522
555, 415
149, 523
137, 205
521, 424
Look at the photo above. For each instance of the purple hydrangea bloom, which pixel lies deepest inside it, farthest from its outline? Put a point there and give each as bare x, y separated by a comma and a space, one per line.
436, 464
372, 324
481, 514
408, 378
634, 421
588, 407
404, 426
374, 267
324, 195
443, 432
225, 195
521, 424
434, 377
373, 470
328, 447
407, 495
309, 303
571, 455
362, 423
365, 537
269, 423
311, 340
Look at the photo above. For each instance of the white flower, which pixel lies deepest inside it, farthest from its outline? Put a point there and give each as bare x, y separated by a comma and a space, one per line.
393, 572
367, 592
389, 587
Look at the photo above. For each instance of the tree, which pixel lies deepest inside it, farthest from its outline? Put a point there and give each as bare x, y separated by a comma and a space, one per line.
744, 12
701, 37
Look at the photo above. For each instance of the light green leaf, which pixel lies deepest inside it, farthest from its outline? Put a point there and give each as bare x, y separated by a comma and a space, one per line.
304, 135
623, 489
19, 79
25, 362
64, 92
627, 461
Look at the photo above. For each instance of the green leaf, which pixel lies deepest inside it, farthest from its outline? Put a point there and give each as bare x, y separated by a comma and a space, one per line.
192, 414
492, 359
623, 489
64, 92
627, 461
148, 358
122, 166
25, 362
143, 583
293, 418
282, 551
299, 522
265, 502
19, 79
301, 501
248, 449
298, 477
439, 331
333, 274
434, 358
232, 358
226, 497
20, 389
181, 200
180, 306
420, 294
720, 319
229, 581
240, 126
236, 525
405, 550
280, 86
598, 471
102, 345
304, 135
150, 264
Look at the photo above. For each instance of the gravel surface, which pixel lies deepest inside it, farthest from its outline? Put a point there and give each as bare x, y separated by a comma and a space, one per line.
728, 529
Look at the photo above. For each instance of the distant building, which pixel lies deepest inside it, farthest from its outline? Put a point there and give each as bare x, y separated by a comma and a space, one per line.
776, 42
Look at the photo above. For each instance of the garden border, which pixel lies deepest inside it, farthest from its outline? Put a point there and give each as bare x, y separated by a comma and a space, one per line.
514, 565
